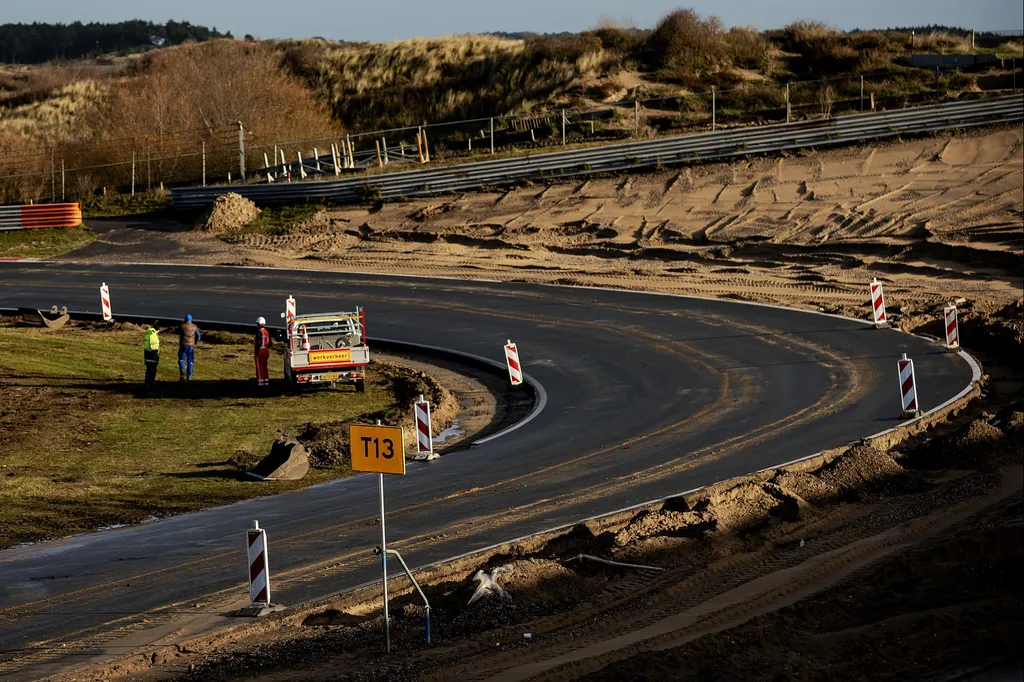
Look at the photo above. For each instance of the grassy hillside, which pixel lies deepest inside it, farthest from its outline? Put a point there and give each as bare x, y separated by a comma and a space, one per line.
169, 106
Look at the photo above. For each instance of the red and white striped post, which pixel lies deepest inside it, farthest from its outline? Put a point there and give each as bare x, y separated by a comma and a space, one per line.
908, 388
878, 305
424, 435
515, 369
952, 328
259, 569
105, 303
289, 310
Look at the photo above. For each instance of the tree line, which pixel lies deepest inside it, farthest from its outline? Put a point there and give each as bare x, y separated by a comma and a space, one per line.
37, 42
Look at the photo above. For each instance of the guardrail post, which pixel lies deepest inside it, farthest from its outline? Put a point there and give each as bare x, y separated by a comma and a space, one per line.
241, 151
384, 146
563, 127
713, 109
492, 135
316, 157
788, 109
862, 93
636, 118
380, 161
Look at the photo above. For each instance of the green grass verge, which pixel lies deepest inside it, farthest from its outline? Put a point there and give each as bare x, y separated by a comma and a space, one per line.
124, 205
44, 243
278, 220
81, 447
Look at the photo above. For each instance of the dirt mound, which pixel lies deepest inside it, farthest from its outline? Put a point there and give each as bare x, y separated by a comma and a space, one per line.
976, 445
866, 470
243, 459
317, 223
536, 581
327, 444
228, 213
663, 522
740, 508
1014, 429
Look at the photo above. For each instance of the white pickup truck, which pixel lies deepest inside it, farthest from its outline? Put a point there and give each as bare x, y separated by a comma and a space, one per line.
327, 348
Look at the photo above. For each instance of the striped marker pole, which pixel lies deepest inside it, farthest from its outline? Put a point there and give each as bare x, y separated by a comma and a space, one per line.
952, 328
908, 388
878, 305
105, 302
424, 435
515, 370
289, 310
259, 569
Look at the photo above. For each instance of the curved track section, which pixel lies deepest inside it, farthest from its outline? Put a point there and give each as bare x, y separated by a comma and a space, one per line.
647, 396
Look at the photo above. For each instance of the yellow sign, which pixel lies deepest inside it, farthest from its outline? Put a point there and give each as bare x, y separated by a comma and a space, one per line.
377, 448
320, 357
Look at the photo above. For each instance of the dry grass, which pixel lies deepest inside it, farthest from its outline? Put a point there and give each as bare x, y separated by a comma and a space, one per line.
167, 104
408, 82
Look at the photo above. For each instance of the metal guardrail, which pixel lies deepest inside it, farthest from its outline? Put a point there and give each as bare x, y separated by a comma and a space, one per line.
702, 147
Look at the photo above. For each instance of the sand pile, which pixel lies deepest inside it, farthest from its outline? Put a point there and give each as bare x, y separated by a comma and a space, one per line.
229, 212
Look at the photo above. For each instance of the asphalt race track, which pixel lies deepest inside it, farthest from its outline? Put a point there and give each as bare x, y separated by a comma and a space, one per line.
648, 396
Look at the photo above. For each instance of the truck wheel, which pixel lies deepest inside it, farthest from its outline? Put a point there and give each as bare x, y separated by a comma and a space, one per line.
360, 386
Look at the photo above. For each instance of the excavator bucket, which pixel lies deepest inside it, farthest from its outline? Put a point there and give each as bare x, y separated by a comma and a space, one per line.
54, 319
287, 461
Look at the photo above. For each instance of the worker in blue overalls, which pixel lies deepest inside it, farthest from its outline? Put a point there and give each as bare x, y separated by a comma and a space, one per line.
188, 336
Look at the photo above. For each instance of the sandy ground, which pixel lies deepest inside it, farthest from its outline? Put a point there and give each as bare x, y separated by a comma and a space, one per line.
789, 575
890, 563
933, 218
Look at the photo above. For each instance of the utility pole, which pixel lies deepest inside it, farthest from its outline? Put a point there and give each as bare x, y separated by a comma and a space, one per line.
241, 151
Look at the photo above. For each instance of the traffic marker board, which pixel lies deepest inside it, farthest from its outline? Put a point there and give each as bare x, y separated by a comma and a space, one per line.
380, 449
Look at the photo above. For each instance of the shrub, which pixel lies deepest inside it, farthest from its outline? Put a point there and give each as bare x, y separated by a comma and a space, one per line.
750, 49
684, 42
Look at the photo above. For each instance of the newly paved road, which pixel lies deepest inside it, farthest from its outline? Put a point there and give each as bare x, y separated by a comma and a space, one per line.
647, 396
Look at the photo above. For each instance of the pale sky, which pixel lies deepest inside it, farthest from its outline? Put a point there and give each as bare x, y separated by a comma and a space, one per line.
382, 20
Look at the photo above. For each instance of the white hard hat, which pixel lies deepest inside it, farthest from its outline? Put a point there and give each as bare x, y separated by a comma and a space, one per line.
260, 321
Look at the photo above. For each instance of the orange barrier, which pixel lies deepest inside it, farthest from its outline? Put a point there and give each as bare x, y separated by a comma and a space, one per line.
39, 216
51, 215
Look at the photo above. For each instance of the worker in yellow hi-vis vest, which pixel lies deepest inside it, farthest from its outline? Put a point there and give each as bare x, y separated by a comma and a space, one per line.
151, 354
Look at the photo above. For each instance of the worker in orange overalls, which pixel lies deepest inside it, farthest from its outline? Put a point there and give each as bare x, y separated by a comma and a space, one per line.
261, 351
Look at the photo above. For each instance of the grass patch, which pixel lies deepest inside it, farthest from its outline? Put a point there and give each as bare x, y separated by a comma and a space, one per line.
82, 447
275, 221
124, 205
44, 243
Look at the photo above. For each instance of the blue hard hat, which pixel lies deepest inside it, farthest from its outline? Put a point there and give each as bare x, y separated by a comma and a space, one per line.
188, 318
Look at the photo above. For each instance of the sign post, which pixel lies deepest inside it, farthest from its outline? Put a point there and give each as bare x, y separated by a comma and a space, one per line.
380, 449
